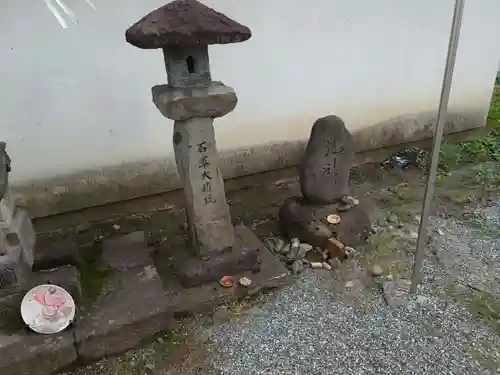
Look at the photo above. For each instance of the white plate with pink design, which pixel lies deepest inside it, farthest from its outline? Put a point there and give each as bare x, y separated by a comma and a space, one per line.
48, 309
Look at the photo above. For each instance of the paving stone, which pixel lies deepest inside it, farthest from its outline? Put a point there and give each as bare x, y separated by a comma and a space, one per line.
131, 308
51, 254
125, 252
396, 292
28, 353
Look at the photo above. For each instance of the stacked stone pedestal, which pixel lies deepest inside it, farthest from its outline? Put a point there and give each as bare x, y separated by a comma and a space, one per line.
324, 182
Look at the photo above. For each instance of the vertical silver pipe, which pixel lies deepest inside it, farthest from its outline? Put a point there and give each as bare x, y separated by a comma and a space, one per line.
438, 137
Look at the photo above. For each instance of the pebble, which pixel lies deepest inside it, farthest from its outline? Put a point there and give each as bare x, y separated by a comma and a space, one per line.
392, 219
221, 314
306, 247
245, 281
349, 284
285, 249
389, 277
116, 227
440, 232
301, 253
297, 266
292, 255
377, 270
349, 251
316, 265
334, 262
350, 200
413, 235
326, 266
278, 245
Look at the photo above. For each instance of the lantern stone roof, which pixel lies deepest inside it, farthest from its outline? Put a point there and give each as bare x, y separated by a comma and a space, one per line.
185, 22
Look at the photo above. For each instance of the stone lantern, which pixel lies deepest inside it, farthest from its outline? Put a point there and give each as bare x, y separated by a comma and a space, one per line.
183, 29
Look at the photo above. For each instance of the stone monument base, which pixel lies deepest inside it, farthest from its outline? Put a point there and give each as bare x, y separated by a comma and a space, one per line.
245, 255
307, 222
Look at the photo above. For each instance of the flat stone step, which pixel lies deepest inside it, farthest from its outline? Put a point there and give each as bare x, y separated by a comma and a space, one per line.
132, 307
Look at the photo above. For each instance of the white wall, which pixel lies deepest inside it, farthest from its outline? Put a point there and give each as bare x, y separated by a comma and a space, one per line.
79, 96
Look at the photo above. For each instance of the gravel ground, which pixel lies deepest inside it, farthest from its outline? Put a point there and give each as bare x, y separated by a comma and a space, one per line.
307, 329
311, 328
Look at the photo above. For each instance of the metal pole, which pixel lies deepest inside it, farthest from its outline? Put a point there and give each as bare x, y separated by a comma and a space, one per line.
438, 137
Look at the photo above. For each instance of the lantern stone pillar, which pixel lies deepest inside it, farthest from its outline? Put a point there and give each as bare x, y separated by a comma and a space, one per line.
183, 30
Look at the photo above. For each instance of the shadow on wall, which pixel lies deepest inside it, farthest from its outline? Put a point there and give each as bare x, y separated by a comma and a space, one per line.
113, 184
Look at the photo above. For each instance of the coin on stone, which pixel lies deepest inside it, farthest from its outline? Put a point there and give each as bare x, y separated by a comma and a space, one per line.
227, 281
245, 281
333, 219
48, 309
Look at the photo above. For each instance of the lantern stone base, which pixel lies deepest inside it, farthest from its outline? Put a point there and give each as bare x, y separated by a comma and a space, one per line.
246, 255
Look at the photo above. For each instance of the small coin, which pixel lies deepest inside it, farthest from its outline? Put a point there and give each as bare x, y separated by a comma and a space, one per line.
333, 219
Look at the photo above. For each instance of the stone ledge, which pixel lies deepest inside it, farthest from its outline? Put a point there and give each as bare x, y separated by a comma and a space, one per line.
33, 354
50, 254
177, 104
126, 252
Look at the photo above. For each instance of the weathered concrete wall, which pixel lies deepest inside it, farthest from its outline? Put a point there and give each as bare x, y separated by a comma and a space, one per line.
128, 181
76, 102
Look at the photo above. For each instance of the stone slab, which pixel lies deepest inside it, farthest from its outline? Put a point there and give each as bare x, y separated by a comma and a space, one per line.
125, 252
10, 298
51, 254
27, 353
132, 307
177, 104
206, 297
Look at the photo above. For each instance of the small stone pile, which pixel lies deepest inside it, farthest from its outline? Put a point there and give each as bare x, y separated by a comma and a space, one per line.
297, 255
